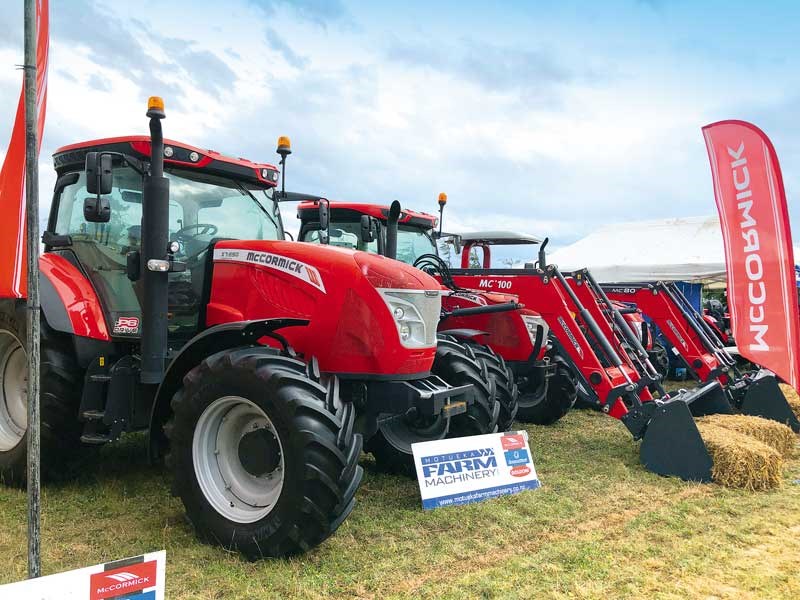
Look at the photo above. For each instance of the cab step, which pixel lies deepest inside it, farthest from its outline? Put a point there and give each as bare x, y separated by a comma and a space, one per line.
95, 439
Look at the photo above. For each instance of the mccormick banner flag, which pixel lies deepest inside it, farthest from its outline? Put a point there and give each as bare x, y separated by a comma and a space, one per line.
13, 253
762, 292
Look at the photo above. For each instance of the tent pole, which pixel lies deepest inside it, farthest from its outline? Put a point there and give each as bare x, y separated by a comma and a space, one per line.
32, 241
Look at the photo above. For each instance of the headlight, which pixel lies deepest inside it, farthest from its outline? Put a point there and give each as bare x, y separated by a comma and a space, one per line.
416, 314
532, 323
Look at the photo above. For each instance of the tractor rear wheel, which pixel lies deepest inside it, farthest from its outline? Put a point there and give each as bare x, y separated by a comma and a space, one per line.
263, 456
545, 409
506, 389
61, 384
456, 363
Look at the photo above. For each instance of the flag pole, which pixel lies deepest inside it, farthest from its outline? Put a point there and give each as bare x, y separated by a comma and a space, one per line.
32, 240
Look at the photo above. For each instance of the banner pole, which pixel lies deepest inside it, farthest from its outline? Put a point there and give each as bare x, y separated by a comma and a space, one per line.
32, 241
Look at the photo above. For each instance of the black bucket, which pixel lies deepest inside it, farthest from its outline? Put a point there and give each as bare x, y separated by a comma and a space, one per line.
764, 398
672, 445
708, 399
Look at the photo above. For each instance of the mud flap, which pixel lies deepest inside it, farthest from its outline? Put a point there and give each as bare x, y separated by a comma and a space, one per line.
764, 398
672, 444
709, 399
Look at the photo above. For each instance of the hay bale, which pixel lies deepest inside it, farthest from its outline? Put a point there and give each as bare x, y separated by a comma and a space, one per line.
740, 461
775, 435
791, 397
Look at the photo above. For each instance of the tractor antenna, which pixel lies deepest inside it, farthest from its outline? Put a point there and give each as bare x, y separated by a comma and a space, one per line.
442, 202
284, 149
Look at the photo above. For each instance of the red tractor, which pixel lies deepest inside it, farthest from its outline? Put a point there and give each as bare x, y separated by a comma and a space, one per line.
171, 304
509, 338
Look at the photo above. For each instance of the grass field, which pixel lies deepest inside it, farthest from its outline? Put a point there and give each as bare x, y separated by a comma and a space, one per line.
600, 527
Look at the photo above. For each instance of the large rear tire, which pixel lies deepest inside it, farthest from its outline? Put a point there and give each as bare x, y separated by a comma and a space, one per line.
263, 456
506, 390
550, 407
456, 364
61, 385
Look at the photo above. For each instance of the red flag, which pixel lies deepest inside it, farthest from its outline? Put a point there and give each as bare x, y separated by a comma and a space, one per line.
13, 253
762, 293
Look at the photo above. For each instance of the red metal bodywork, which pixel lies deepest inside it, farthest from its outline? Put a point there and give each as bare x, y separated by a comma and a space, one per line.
77, 295
339, 298
378, 211
506, 332
552, 303
673, 325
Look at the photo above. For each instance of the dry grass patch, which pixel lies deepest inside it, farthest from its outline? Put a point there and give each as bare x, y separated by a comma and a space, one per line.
776, 435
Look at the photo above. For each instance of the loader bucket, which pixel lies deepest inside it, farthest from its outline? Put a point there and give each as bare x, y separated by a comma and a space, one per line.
709, 399
672, 445
764, 398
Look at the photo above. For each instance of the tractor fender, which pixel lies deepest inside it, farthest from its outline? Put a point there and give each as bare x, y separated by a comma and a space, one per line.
472, 335
212, 340
68, 300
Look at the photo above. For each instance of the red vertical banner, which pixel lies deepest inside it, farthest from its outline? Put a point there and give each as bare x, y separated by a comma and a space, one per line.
13, 253
762, 292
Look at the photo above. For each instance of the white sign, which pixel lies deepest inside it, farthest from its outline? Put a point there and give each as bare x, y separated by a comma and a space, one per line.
139, 578
471, 469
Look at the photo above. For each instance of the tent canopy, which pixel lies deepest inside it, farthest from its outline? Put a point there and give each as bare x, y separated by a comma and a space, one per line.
683, 249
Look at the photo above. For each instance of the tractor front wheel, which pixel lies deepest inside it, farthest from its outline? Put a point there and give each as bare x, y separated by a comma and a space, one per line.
263, 456
506, 389
660, 359
547, 408
456, 363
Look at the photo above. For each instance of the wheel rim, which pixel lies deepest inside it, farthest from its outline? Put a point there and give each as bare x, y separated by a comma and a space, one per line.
238, 459
13, 391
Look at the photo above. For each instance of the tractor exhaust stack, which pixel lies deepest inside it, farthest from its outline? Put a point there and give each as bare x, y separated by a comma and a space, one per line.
391, 230
155, 239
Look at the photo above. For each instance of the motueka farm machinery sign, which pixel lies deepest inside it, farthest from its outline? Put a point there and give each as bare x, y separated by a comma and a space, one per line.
470, 469
139, 578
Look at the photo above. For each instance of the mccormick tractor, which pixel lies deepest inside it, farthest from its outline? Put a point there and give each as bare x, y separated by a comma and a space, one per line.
172, 305
589, 337
698, 345
509, 338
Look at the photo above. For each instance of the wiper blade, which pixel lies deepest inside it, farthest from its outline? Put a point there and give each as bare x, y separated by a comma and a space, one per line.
258, 204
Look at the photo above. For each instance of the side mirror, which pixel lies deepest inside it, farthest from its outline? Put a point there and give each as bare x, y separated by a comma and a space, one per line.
99, 182
367, 229
97, 209
99, 179
324, 221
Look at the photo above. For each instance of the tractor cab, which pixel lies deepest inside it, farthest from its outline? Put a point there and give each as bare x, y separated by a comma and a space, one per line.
363, 227
212, 197
484, 240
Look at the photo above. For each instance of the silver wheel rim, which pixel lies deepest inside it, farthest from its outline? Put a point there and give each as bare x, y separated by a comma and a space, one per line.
240, 492
13, 390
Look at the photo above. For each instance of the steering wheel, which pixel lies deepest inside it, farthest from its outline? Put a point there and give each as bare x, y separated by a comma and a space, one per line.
202, 229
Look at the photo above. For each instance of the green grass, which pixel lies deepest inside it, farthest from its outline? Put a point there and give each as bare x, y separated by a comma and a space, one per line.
600, 527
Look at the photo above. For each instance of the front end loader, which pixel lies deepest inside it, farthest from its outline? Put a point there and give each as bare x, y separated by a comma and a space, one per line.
692, 339
172, 304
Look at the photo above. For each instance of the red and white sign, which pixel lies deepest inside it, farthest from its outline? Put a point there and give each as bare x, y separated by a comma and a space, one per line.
141, 578
762, 293
13, 253
124, 580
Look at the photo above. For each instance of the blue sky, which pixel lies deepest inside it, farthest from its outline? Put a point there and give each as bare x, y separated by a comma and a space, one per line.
545, 117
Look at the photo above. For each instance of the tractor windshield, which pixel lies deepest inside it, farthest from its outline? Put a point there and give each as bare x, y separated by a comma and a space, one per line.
413, 242
202, 208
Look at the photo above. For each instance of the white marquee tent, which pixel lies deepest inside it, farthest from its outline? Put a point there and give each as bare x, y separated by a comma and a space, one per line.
684, 249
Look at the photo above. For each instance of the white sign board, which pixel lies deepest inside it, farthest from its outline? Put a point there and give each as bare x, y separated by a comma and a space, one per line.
139, 578
471, 469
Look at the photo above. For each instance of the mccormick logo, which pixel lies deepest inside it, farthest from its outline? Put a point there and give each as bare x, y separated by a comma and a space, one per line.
513, 441
458, 467
290, 266
677, 334
571, 336
123, 581
126, 325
